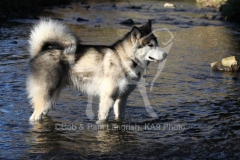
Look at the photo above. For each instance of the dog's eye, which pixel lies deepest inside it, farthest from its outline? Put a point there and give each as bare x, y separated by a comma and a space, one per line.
150, 45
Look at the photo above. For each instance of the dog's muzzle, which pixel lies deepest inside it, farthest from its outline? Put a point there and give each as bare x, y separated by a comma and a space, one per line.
156, 55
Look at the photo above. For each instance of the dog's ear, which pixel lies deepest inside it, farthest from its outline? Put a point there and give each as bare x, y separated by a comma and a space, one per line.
148, 25
135, 34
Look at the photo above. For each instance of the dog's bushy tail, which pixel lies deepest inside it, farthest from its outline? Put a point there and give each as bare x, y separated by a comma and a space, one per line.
48, 33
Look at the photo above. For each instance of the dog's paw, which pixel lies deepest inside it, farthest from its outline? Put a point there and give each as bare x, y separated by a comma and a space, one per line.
101, 122
35, 117
119, 120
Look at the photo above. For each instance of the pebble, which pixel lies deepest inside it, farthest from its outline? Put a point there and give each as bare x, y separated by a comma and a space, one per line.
169, 5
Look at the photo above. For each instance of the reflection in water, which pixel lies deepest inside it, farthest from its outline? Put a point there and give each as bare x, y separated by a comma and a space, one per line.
116, 140
187, 94
44, 138
49, 137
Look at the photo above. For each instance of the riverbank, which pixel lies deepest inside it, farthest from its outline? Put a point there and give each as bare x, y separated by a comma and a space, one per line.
30, 9
11, 9
229, 8
230, 11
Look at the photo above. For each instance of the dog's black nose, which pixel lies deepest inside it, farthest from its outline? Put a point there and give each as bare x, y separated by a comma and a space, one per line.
165, 55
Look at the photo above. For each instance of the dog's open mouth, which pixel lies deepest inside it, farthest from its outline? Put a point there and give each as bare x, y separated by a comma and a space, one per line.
153, 59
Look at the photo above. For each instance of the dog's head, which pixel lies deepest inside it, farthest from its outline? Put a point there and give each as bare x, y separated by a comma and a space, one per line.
145, 45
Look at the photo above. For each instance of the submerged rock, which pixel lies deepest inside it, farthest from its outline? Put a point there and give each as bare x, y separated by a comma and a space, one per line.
59, 19
135, 7
127, 22
87, 7
81, 19
228, 64
169, 5
209, 16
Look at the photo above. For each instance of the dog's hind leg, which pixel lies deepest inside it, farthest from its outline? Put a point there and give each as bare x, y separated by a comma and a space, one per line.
39, 102
42, 103
52, 99
42, 98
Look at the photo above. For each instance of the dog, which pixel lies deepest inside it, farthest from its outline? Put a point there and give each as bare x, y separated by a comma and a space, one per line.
58, 59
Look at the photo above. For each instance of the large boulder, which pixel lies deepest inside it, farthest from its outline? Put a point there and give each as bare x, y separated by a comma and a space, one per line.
228, 64
211, 3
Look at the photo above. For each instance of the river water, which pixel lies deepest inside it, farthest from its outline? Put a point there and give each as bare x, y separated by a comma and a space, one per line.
198, 109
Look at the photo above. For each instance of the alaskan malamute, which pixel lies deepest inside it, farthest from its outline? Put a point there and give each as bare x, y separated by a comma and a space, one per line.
57, 59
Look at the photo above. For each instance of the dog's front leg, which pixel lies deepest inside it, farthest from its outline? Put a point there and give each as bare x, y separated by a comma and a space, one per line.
106, 103
119, 108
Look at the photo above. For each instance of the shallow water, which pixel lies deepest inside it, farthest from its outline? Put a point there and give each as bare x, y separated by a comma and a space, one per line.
198, 109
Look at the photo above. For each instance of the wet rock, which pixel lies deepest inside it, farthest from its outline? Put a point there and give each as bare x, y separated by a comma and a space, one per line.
59, 19
192, 23
218, 17
228, 64
81, 19
135, 7
180, 9
209, 16
128, 22
87, 7
169, 5
176, 23
204, 24
211, 3
14, 42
